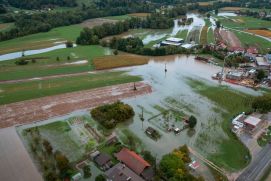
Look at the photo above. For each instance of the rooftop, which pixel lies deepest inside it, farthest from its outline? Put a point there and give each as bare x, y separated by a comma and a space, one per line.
172, 39
122, 173
132, 160
252, 120
102, 159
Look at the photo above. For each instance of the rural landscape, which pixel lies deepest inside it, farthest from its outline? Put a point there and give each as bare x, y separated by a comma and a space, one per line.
135, 90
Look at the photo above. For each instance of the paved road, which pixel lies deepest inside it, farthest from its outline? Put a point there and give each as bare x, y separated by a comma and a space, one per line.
258, 166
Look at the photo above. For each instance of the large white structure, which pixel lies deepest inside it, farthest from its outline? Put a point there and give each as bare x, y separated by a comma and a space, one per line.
172, 41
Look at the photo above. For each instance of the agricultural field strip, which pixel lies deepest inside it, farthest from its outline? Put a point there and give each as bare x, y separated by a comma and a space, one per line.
51, 106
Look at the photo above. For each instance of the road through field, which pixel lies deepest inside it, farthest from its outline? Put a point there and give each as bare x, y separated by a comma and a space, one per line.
52, 106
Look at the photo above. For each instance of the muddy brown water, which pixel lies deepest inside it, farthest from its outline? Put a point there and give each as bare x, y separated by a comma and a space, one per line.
170, 90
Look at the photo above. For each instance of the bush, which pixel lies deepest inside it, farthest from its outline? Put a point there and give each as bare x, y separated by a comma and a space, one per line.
21, 62
262, 103
87, 171
111, 114
100, 178
192, 121
69, 44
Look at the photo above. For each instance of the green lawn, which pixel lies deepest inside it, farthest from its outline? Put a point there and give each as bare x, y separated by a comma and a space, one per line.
182, 34
29, 90
48, 65
210, 36
41, 40
251, 40
232, 152
244, 22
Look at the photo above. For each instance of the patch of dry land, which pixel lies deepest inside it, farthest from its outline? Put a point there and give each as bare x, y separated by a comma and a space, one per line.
47, 107
90, 23
140, 15
265, 33
231, 9
115, 61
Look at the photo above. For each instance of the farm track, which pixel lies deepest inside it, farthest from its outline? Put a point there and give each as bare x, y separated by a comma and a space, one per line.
47, 107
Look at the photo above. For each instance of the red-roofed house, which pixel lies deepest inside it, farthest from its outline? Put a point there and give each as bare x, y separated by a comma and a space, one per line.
135, 162
252, 50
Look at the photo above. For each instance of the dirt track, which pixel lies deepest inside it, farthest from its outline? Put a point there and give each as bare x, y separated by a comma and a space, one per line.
52, 106
230, 38
96, 22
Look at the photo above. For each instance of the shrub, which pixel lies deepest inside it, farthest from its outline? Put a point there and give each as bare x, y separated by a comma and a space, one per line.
111, 114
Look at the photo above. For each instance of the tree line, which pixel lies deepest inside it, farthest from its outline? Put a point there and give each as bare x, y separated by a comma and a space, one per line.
92, 36
37, 4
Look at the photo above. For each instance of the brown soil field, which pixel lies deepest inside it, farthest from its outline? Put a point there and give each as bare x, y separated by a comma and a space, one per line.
229, 38
122, 60
231, 9
140, 15
52, 106
265, 33
203, 35
90, 23
206, 3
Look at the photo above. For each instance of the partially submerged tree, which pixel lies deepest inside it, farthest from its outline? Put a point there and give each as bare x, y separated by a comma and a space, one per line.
192, 121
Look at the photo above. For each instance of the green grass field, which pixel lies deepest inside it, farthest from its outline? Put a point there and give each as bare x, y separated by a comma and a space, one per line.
15, 92
182, 34
41, 40
232, 152
48, 65
244, 22
210, 36
251, 40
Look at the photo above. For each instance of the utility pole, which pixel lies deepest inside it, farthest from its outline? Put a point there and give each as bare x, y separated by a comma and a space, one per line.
134, 87
142, 117
165, 67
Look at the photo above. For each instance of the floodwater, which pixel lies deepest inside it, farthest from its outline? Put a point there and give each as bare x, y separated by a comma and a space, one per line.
19, 54
197, 23
226, 14
171, 91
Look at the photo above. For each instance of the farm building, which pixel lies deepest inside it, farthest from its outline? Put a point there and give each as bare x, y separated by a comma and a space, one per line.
252, 124
234, 75
120, 172
262, 63
172, 42
136, 163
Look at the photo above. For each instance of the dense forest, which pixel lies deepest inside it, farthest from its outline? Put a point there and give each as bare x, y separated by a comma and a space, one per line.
37, 4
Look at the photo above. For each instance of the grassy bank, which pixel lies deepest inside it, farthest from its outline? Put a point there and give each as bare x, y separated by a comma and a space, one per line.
115, 61
232, 152
29, 90
182, 34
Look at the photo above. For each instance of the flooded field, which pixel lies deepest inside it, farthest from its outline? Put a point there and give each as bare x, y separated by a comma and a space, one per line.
171, 101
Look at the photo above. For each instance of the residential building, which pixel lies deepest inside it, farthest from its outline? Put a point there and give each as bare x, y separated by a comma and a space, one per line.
252, 124
136, 163
120, 172
234, 75
103, 161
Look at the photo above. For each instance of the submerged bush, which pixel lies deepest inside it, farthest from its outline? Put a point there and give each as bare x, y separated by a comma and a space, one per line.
111, 114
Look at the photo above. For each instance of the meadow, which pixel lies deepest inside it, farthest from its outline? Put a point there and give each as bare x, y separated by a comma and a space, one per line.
203, 35
41, 40
233, 154
15, 92
251, 40
47, 64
